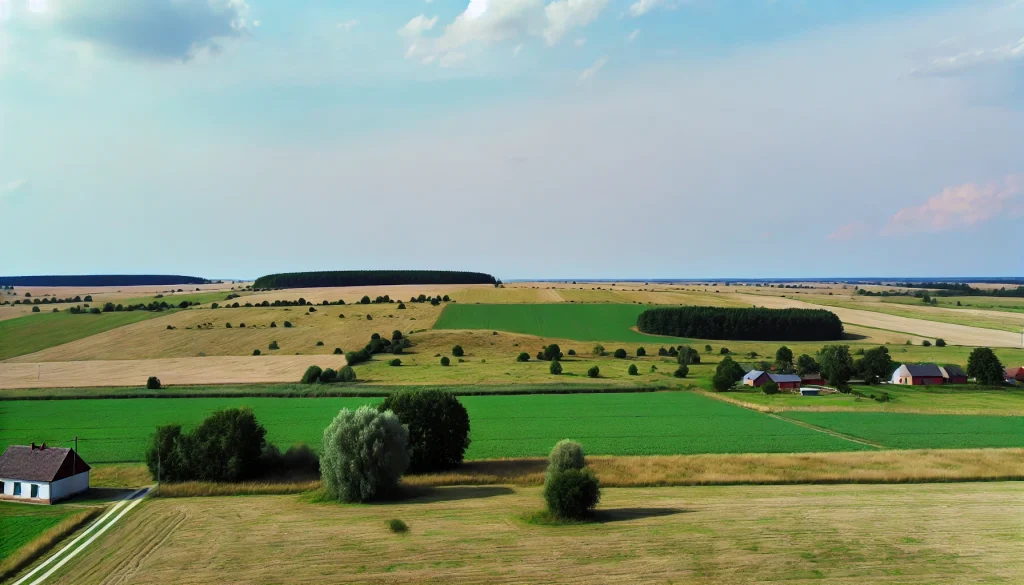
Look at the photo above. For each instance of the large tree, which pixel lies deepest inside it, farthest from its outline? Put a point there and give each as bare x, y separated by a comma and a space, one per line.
805, 364
784, 358
875, 365
985, 367
836, 365
438, 427
364, 454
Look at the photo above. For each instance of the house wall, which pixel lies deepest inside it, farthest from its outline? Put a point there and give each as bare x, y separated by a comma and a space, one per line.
69, 486
929, 380
26, 489
789, 385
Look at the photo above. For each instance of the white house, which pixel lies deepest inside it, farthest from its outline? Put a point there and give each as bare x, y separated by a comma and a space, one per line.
41, 474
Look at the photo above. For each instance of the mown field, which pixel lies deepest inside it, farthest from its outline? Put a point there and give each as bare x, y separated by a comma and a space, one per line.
968, 399
878, 534
33, 332
921, 431
502, 426
21, 523
596, 322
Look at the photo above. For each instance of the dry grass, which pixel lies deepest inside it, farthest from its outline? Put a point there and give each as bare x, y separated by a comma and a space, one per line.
119, 475
27, 554
795, 534
193, 489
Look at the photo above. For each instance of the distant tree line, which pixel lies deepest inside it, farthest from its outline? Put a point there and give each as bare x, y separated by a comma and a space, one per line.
371, 278
101, 280
954, 289
758, 324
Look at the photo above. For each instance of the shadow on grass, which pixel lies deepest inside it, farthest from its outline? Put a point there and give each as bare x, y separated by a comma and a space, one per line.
427, 495
97, 495
626, 514
847, 336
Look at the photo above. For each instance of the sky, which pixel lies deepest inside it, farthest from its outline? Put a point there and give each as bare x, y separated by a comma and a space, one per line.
523, 138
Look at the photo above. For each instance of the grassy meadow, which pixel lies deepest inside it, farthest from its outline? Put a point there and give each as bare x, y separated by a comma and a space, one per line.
35, 332
967, 399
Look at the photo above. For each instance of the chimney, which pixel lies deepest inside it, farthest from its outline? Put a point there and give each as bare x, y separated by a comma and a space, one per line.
33, 446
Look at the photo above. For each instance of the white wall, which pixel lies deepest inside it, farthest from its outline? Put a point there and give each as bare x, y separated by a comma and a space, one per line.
69, 486
26, 489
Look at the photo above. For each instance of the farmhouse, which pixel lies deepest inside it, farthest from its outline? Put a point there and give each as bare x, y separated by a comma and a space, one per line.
1015, 373
953, 375
918, 375
41, 474
756, 378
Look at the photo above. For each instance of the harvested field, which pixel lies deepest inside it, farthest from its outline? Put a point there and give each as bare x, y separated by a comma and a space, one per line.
35, 332
940, 533
352, 294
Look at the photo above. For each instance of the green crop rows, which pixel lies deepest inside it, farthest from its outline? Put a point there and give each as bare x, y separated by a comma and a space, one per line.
595, 322
21, 523
922, 431
502, 426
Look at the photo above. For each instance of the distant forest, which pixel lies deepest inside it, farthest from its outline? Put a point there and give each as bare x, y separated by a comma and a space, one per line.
371, 278
756, 324
101, 280
955, 289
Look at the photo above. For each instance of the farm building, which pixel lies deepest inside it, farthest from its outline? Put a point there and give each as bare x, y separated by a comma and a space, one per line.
918, 375
756, 378
42, 474
1015, 373
814, 379
953, 375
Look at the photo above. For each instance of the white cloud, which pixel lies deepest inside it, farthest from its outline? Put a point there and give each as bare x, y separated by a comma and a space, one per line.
578, 43
347, 25
14, 189
642, 7
633, 35
417, 26
968, 60
962, 206
593, 69
565, 15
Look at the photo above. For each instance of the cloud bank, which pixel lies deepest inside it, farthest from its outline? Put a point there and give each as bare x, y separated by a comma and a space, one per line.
960, 207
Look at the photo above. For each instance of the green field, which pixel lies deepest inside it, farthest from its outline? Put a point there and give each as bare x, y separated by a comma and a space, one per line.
921, 431
969, 399
33, 333
21, 523
596, 322
502, 426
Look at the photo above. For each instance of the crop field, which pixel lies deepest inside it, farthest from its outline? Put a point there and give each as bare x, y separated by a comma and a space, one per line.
972, 317
921, 431
659, 423
878, 534
967, 399
597, 322
20, 524
35, 332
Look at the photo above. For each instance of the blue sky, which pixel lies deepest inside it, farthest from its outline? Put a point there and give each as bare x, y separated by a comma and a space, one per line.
526, 138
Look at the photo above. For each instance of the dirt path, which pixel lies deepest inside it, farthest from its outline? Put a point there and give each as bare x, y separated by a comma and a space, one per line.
953, 334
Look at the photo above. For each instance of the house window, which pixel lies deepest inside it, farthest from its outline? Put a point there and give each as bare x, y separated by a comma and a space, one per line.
3, 487
17, 488
34, 491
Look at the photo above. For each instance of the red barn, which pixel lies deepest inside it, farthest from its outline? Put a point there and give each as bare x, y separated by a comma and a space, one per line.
953, 374
918, 375
814, 379
1015, 373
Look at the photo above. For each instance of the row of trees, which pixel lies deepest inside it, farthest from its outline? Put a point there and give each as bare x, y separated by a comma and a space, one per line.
742, 323
101, 280
370, 278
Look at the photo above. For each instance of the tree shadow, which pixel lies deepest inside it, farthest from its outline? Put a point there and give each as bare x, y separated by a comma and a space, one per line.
98, 495
847, 336
606, 516
428, 495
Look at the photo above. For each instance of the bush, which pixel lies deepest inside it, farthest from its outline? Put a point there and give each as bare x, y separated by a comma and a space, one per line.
346, 374
337, 351
721, 382
273, 324
35, 309
940, 342
457, 351
594, 372
365, 453
555, 368
572, 352
723, 351
369, 317
632, 371
926, 343
682, 371
566, 455
572, 494
401, 306
687, 355
438, 427
395, 362
287, 324
365, 300
770, 388
329, 376
255, 352
641, 352
598, 349
397, 526
396, 335
672, 352
319, 344
312, 375
274, 345
153, 383
707, 349
523, 357
445, 361
552, 352
620, 354
227, 325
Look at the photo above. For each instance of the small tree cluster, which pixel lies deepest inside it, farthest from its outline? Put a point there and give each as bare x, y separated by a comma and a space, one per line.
571, 490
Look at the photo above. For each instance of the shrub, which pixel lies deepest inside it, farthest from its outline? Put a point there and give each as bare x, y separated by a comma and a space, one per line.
641, 352
287, 324
273, 324
395, 362
598, 349
438, 427
572, 494
319, 344
555, 368
369, 317
364, 454
445, 361
35, 309
401, 305
153, 383
341, 315
940, 342
723, 351
926, 343
687, 355
329, 376
620, 354
552, 352
346, 374
572, 352
673, 352
594, 372
396, 335
397, 526
523, 357
457, 351
770, 388
707, 349
312, 310
337, 351
312, 375
632, 371
722, 382
682, 371
566, 455
365, 300
662, 351
227, 325
255, 352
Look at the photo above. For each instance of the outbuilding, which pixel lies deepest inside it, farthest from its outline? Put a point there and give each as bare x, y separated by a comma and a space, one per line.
755, 378
786, 381
1015, 374
918, 375
813, 379
953, 374
42, 474
810, 391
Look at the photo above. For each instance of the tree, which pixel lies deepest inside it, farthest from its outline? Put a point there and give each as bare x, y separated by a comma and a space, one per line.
346, 374
925, 343
274, 345
523, 357
438, 427
287, 324
153, 383
365, 300
555, 368
687, 355
641, 352
225, 447
682, 371
566, 455
721, 382
662, 351
770, 388
396, 335
571, 490
985, 367
598, 350
457, 351
35, 309
730, 369
620, 354
836, 365
723, 351
255, 352
445, 361
395, 362
940, 342
329, 376
805, 364
876, 364
312, 375
632, 371
164, 457
707, 349
552, 352
594, 372
365, 453
784, 358
337, 351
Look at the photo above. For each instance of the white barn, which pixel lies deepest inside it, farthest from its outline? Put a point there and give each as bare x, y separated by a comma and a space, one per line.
41, 474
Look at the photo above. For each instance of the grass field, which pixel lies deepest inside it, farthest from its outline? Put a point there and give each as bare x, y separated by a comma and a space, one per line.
972, 317
502, 426
596, 322
32, 333
913, 399
938, 533
921, 431
21, 523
